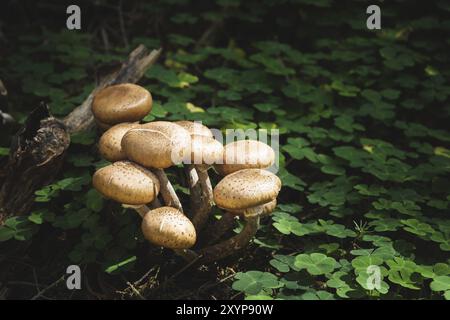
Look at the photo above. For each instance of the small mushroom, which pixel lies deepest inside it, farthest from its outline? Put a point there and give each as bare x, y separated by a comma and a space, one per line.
169, 228
245, 189
250, 193
109, 144
195, 128
205, 151
245, 154
126, 183
126, 102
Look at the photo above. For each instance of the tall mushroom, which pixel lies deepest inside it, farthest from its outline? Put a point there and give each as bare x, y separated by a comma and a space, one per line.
250, 193
238, 155
169, 228
205, 151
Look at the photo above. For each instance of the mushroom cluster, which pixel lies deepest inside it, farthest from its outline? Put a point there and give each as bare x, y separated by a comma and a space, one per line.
139, 154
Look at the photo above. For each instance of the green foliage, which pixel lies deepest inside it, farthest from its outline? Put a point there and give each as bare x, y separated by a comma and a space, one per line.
364, 141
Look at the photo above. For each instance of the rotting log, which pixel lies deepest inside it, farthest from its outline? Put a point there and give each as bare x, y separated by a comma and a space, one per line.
38, 149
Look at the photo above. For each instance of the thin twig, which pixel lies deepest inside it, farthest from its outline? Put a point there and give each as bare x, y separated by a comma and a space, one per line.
105, 38
122, 25
136, 291
187, 266
54, 284
138, 282
3, 90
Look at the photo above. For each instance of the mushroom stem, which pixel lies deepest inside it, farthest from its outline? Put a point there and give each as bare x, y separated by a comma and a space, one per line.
230, 246
201, 195
218, 228
194, 188
141, 210
167, 191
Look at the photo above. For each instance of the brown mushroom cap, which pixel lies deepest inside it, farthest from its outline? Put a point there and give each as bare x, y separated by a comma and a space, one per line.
245, 154
205, 150
126, 183
261, 210
126, 102
245, 189
158, 144
195, 128
109, 144
169, 228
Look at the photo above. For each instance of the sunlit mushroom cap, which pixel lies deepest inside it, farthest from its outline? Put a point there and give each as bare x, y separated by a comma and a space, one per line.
158, 144
205, 150
124, 102
109, 144
169, 228
126, 183
195, 128
245, 154
246, 189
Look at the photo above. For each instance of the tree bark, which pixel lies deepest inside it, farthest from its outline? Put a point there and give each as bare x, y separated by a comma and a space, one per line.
37, 150
36, 155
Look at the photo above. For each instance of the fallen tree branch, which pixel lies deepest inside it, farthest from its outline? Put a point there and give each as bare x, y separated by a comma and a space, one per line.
37, 150
139, 60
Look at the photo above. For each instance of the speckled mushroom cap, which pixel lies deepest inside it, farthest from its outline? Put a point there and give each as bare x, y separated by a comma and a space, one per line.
245, 154
158, 144
169, 228
109, 144
245, 189
126, 183
205, 150
126, 102
195, 128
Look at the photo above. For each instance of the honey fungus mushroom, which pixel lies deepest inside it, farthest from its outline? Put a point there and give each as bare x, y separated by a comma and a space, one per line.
109, 145
169, 228
125, 102
204, 151
195, 128
159, 144
128, 184
250, 193
245, 154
